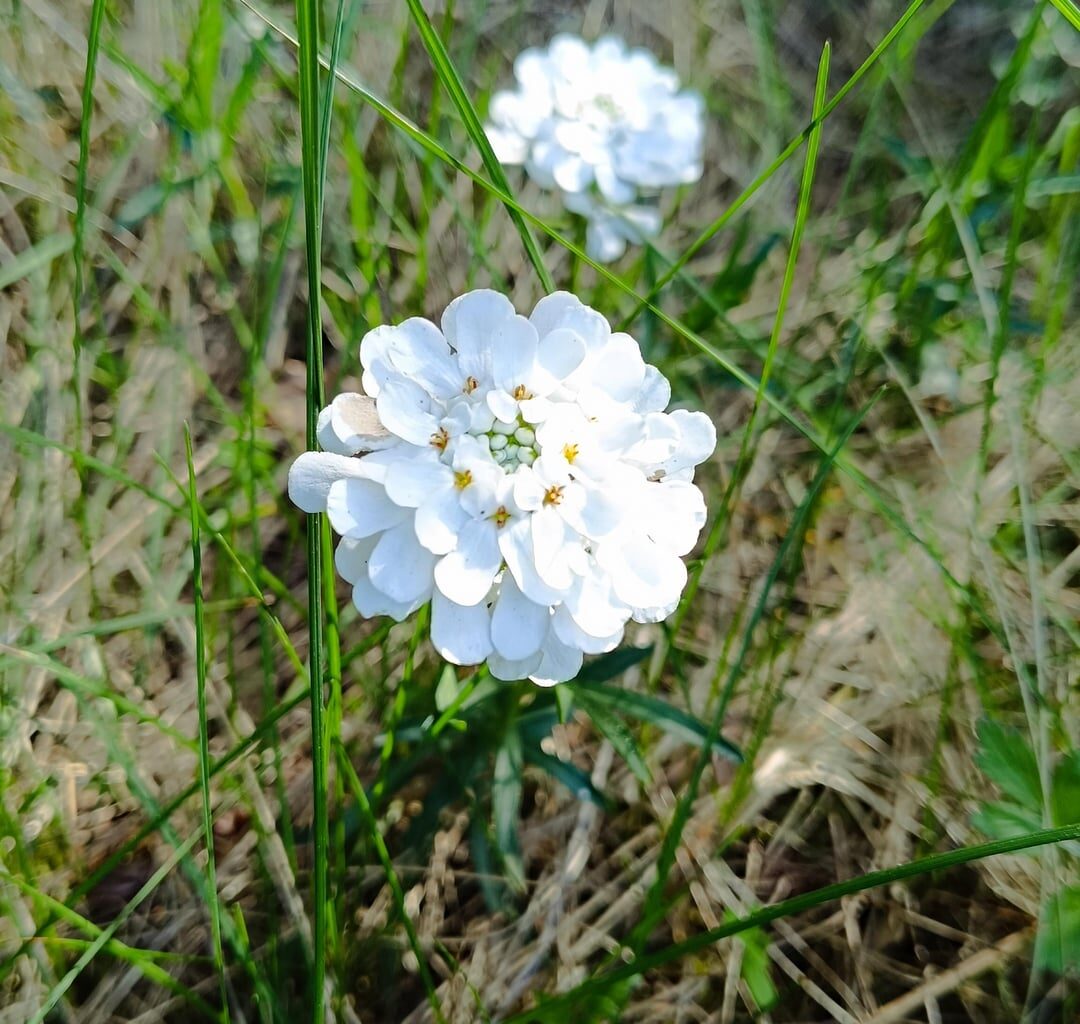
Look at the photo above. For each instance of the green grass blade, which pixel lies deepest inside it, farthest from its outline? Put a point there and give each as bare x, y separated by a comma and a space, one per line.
307, 20
38, 255
451, 80
356, 787
745, 457
1069, 11
332, 718
214, 905
93, 48
114, 947
673, 836
781, 158
554, 1010
104, 937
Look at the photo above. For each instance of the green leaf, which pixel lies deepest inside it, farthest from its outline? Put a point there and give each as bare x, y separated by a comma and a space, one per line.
756, 970
570, 775
447, 688
661, 714
506, 805
1009, 762
1057, 947
615, 731
1065, 791
608, 666
1001, 819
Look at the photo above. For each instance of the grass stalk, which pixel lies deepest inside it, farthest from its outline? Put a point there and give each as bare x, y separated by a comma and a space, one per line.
307, 20
554, 1010
214, 903
455, 88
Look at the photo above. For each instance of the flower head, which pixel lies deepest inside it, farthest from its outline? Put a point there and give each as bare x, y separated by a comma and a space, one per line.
604, 125
520, 474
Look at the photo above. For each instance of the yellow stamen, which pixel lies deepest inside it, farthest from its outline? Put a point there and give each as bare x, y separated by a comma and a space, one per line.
501, 516
463, 479
553, 495
440, 439
471, 384
570, 452
521, 393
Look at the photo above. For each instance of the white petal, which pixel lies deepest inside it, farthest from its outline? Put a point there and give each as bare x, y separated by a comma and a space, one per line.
371, 602
509, 147
596, 511
572, 174
571, 634
516, 547
551, 540
313, 473
655, 614
350, 424
643, 574
407, 410
560, 352
518, 625
461, 634
400, 566
559, 309
410, 482
592, 604
676, 513
351, 557
470, 324
614, 189
535, 410
513, 353
655, 392
439, 521
528, 489
618, 368
511, 671
413, 349
420, 352
603, 240
465, 575
697, 440
360, 508
559, 664
502, 405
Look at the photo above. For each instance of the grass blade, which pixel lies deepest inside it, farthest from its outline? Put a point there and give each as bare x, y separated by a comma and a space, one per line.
93, 48
307, 20
451, 81
356, 787
104, 937
1069, 11
673, 836
114, 947
742, 465
214, 904
782, 158
554, 1010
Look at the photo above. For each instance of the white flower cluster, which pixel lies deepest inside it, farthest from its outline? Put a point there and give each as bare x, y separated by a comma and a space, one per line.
522, 476
605, 125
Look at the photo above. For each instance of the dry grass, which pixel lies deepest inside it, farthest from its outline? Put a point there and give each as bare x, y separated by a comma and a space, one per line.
866, 679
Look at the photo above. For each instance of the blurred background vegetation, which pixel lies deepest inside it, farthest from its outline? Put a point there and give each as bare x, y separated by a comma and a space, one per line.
887, 636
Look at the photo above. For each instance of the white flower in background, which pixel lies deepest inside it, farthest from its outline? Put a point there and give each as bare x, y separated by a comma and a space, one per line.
520, 474
605, 125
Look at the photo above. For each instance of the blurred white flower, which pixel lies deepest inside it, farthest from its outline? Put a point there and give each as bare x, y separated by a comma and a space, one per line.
605, 125
520, 474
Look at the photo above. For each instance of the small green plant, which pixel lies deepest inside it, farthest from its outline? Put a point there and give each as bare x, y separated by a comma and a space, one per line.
1010, 763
